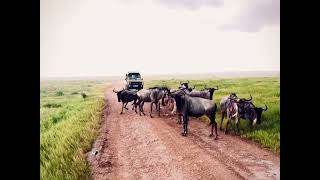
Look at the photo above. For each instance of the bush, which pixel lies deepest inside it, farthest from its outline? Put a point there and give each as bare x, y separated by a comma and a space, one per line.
52, 105
59, 93
83, 95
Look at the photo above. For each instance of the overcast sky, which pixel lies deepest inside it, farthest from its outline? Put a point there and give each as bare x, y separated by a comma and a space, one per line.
110, 37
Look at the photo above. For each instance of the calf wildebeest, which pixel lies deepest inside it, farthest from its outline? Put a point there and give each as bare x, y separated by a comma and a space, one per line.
126, 96
152, 95
195, 107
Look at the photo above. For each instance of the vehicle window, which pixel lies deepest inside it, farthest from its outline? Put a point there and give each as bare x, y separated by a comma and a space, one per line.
134, 76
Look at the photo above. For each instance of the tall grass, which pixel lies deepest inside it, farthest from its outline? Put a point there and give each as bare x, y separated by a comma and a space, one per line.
68, 127
263, 90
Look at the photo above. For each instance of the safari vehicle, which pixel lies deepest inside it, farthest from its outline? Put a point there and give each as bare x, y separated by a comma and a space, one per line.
134, 80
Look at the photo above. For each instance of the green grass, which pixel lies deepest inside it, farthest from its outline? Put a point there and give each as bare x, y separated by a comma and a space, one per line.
68, 127
263, 90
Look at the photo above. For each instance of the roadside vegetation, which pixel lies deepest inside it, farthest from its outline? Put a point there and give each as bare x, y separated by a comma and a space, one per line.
69, 119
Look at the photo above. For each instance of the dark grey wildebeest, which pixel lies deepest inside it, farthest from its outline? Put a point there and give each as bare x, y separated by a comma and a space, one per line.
126, 96
248, 111
195, 107
153, 95
206, 93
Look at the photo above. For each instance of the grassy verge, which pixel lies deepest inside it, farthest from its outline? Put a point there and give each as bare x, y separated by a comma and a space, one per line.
68, 126
263, 90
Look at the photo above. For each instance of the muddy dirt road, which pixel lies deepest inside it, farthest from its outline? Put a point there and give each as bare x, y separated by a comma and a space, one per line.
130, 146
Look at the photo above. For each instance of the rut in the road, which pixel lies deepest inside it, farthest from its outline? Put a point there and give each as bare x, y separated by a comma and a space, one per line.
139, 147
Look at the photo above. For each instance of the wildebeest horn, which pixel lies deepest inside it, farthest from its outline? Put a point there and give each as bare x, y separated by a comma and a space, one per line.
188, 81
114, 91
266, 108
180, 82
217, 88
248, 99
194, 86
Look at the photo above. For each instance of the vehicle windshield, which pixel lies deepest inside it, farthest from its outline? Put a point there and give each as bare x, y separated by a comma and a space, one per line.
134, 76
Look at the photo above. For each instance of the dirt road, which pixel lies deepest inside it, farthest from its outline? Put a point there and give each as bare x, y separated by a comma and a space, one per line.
130, 146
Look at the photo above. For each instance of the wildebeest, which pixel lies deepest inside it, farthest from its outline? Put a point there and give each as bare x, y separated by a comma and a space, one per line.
152, 95
126, 96
206, 93
246, 110
195, 107
229, 108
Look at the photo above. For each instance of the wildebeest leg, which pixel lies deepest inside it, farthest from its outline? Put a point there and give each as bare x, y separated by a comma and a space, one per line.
142, 108
213, 124
187, 119
133, 104
159, 108
125, 106
139, 105
184, 133
179, 118
122, 108
238, 126
216, 131
222, 116
226, 129
151, 109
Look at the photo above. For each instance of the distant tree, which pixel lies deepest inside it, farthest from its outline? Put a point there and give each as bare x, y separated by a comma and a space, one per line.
83, 95
59, 93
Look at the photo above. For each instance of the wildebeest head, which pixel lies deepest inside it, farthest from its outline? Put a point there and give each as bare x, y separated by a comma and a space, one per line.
233, 95
185, 84
259, 111
211, 90
118, 94
190, 89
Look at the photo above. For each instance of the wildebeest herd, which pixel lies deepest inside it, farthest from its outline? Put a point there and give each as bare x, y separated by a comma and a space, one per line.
187, 102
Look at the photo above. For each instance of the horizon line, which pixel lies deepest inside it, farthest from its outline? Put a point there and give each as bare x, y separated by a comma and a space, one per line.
155, 74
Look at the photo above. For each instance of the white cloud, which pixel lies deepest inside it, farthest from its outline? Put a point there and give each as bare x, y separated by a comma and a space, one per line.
255, 16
